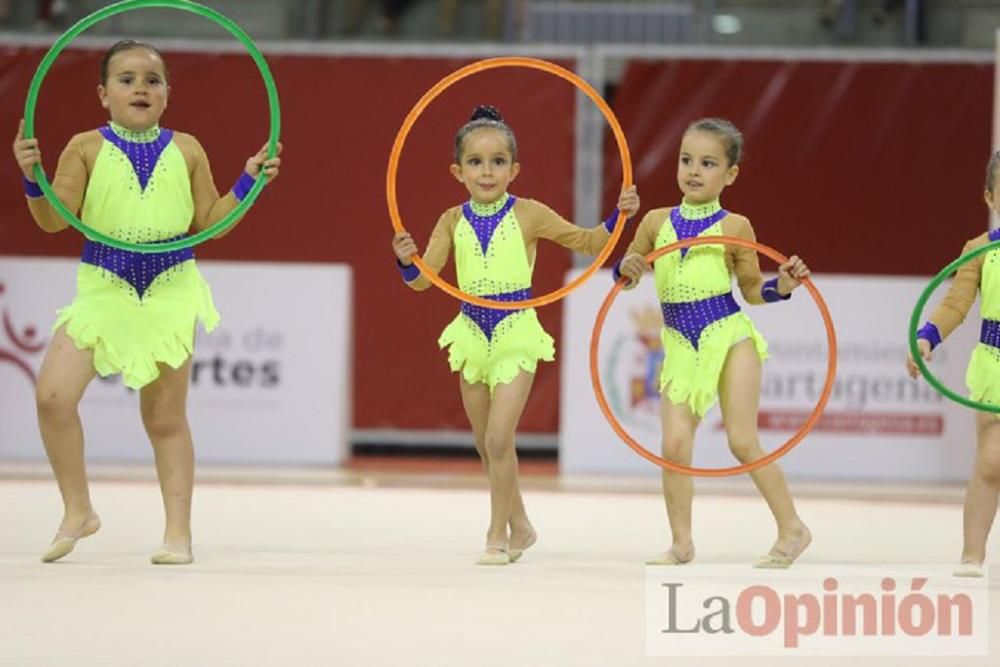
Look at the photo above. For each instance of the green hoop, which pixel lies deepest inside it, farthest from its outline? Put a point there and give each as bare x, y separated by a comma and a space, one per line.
118, 8
915, 321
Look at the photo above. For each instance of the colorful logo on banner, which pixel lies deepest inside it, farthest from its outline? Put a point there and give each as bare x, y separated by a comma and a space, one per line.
632, 371
18, 347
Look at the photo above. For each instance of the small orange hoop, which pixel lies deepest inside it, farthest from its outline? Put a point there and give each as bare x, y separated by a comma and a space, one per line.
831, 366
439, 87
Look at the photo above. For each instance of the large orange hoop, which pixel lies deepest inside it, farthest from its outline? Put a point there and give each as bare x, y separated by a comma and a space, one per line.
441, 86
831, 366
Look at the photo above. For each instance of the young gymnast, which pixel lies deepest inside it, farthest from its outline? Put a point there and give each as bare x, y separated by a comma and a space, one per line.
134, 313
712, 350
978, 276
494, 237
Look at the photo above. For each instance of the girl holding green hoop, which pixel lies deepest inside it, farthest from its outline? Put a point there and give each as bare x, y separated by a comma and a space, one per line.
981, 274
134, 313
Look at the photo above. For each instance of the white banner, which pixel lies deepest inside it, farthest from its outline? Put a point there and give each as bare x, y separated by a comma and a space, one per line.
879, 424
272, 384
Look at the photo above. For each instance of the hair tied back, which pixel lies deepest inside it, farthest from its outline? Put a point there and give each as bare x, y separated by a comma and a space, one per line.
487, 112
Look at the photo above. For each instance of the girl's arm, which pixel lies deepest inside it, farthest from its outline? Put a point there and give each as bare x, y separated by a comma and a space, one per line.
209, 207
543, 222
953, 308
69, 184
437, 250
743, 262
633, 263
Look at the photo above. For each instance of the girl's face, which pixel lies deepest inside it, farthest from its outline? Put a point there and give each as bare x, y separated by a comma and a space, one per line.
702, 169
992, 197
487, 166
136, 90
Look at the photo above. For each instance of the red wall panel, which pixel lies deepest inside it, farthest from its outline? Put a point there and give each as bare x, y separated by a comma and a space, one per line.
860, 167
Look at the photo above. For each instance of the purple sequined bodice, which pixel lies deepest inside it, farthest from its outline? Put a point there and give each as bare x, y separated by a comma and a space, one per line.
989, 333
485, 225
688, 229
139, 269
487, 319
690, 318
142, 155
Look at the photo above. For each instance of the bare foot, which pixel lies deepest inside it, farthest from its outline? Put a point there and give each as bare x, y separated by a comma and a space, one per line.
787, 548
70, 530
679, 553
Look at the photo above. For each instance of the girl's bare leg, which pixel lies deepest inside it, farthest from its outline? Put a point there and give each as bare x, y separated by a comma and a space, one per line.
66, 372
983, 489
506, 406
679, 423
164, 414
739, 396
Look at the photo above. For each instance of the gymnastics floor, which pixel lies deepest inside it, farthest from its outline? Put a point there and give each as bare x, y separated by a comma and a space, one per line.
374, 566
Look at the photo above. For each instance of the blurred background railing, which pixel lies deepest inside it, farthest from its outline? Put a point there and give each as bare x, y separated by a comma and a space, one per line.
869, 23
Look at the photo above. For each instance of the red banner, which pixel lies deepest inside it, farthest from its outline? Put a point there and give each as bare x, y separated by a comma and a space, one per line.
859, 167
854, 422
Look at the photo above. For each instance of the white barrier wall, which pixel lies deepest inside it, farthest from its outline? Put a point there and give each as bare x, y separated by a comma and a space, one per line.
879, 424
272, 384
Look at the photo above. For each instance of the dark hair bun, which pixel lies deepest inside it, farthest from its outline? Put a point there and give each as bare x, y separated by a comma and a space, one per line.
487, 112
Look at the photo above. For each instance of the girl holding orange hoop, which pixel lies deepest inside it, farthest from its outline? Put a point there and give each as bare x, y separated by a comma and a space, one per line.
981, 274
712, 350
134, 313
494, 237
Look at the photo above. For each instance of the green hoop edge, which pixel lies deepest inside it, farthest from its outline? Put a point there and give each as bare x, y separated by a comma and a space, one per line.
915, 321
117, 8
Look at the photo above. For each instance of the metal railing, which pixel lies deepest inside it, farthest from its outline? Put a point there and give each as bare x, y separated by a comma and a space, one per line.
916, 22
607, 22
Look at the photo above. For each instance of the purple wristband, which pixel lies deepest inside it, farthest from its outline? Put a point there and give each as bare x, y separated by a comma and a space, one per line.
616, 270
409, 273
609, 223
32, 189
930, 333
243, 186
769, 291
